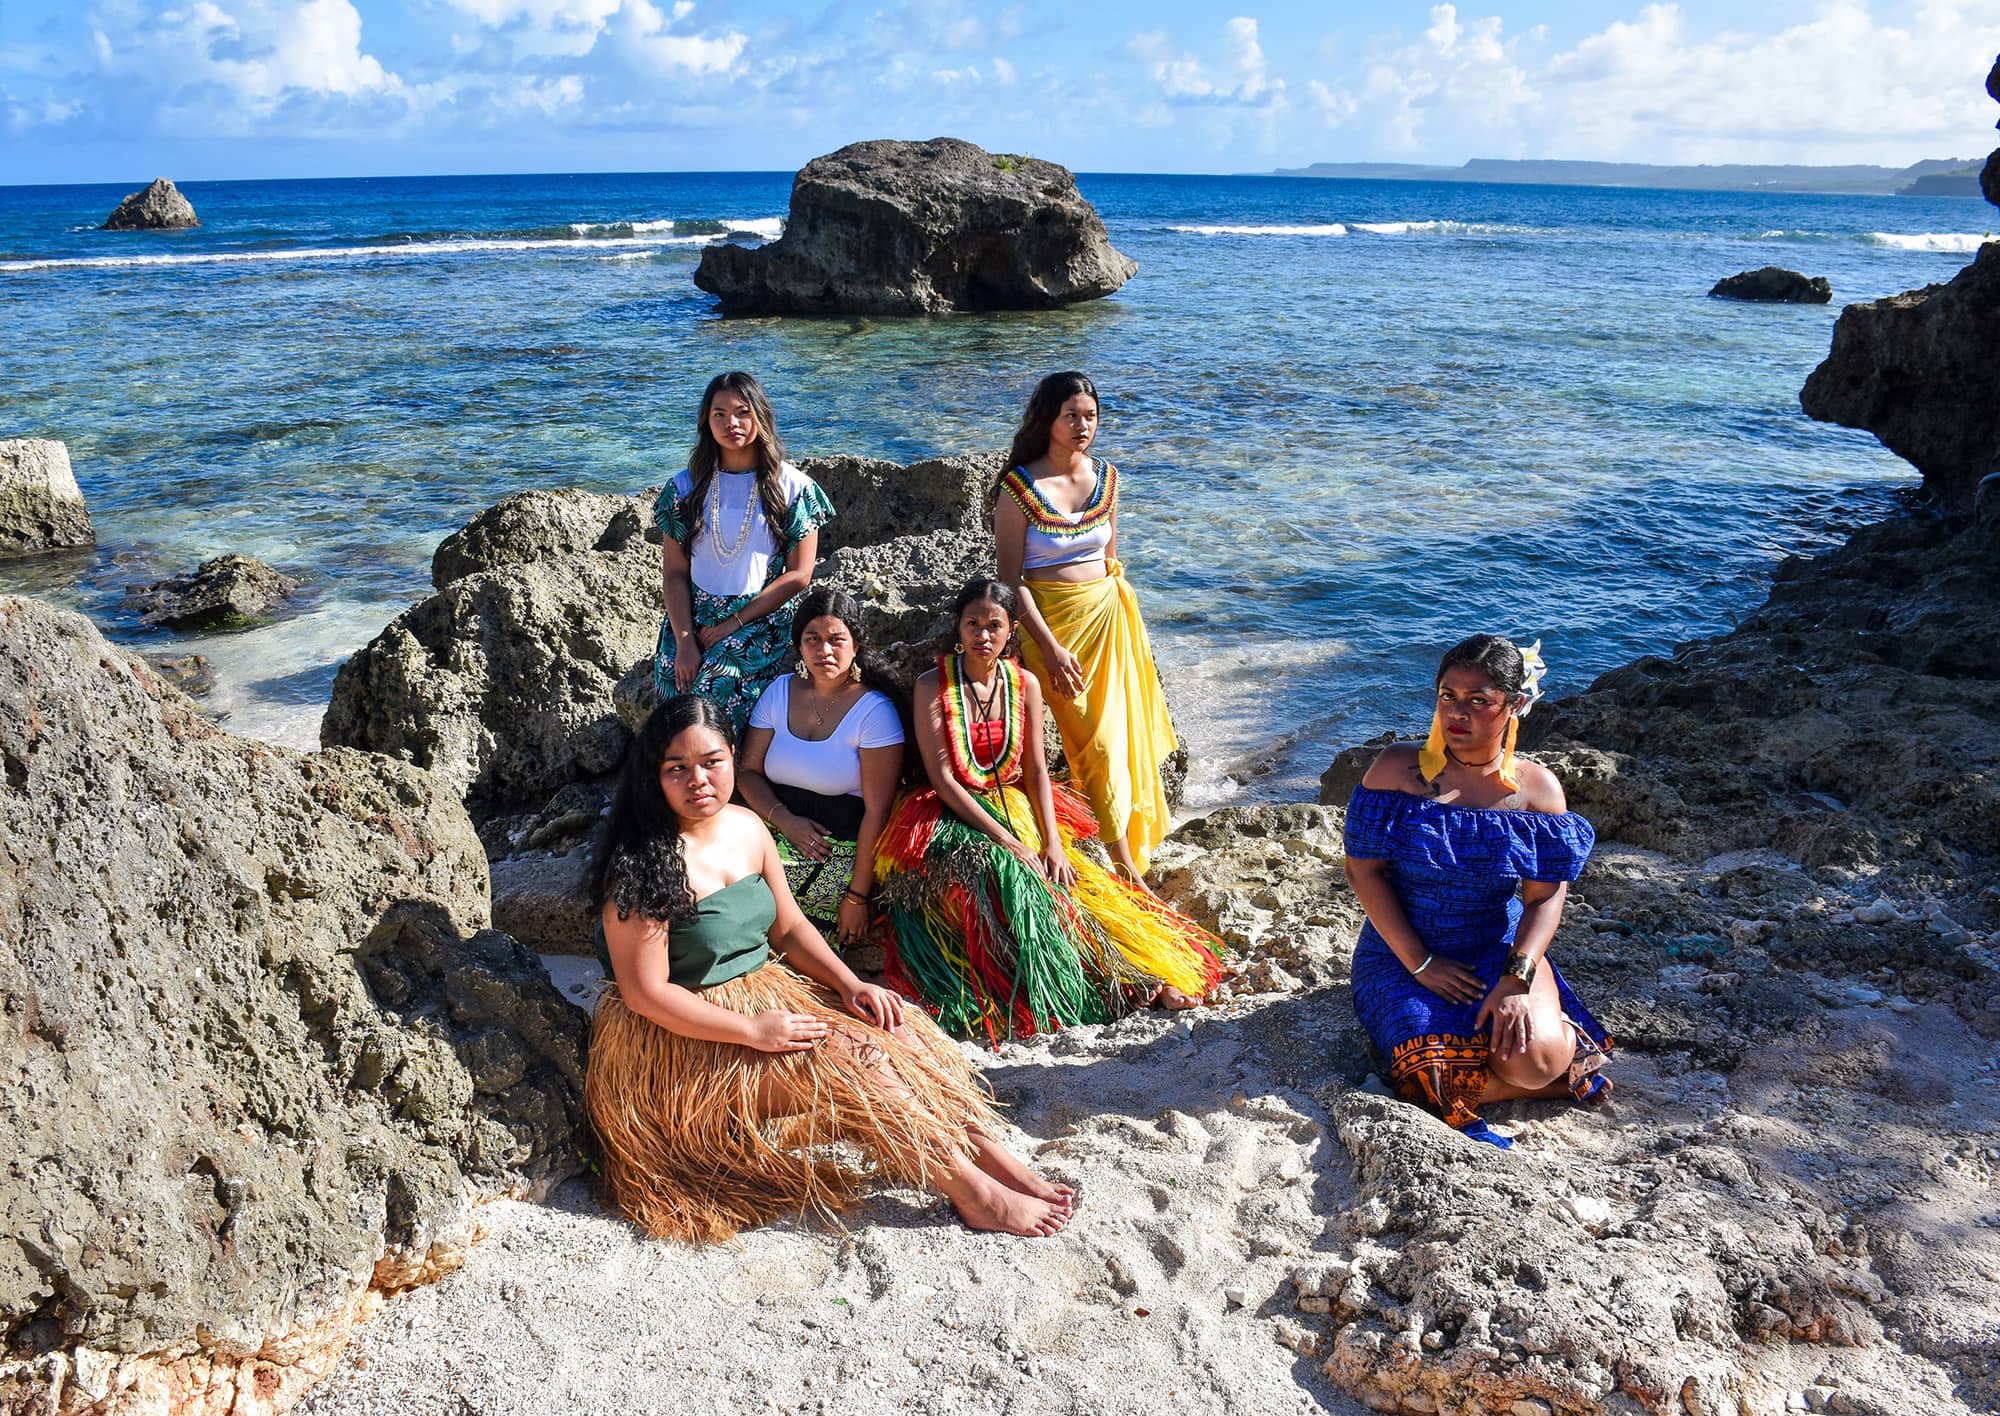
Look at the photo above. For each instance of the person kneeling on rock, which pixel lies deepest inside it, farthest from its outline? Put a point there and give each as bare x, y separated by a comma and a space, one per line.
718, 1077
1461, 854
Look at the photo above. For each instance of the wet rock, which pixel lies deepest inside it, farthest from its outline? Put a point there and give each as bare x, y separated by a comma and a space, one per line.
190, 673
1921, 371
226, 592
922, 228
159, 207
1775, 284
264, 1056
41, 507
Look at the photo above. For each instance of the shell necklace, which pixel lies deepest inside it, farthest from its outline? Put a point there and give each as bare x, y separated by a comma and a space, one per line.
725, 553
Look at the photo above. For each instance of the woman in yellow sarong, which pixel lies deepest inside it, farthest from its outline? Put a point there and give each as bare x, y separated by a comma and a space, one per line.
1055, 528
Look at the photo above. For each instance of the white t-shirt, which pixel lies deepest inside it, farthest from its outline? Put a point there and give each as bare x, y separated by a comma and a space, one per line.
746, 572
831, 767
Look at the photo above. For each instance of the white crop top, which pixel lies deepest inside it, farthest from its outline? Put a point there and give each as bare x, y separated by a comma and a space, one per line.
831, 767
1058, 537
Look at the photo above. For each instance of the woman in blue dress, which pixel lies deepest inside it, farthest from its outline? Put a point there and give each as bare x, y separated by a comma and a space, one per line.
1462, 855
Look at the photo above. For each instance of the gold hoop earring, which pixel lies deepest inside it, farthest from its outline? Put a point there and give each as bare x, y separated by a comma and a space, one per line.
958, 648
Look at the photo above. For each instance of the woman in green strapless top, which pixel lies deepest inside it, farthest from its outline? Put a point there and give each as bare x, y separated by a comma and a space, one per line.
720, 1076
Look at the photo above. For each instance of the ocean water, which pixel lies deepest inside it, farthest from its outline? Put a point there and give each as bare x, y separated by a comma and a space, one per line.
1357, 420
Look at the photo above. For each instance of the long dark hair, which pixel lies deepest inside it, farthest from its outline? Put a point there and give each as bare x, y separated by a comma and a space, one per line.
1493, 655
639, 863
1031, 439
706, 459
977, 589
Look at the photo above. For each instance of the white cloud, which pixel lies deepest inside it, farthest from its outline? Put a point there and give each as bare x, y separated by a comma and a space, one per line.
1842, 86
1239, 74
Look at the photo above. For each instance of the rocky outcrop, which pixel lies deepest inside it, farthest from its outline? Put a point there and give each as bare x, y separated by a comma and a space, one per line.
530, 668
901, 228
263, 1057
1774, 283
225, 592
1921, 371
41, 507
160, 207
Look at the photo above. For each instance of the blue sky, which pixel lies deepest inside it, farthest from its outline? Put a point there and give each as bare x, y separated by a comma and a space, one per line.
118, 90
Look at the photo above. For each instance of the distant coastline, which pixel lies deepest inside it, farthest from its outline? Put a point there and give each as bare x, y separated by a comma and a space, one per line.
1946, 177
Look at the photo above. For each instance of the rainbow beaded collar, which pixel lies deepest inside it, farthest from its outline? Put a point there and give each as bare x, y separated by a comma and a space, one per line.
1042, 513
1006, 767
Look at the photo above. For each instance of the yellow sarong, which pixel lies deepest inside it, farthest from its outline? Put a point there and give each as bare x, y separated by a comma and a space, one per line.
1116, 733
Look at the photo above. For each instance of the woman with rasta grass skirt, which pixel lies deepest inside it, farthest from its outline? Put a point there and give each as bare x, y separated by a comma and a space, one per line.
1462, 855
739, 535
1003, 923
720, 1079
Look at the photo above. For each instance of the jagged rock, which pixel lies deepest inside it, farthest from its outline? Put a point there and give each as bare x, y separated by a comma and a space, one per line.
263, 1056
543, 901
41, 507
1989, 175
1921, 371
543, 525
1573, 1279
160, 207
1774, 283
226, 592
902, 228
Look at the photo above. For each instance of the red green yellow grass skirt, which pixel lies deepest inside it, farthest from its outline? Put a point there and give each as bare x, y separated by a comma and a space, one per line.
991, 947
694, 1149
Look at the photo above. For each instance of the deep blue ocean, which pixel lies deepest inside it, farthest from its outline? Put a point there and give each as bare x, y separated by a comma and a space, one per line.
1356, 420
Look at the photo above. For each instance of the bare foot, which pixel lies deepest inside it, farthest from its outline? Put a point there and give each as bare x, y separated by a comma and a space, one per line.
1017, 1175
996, 1207
1173, 1000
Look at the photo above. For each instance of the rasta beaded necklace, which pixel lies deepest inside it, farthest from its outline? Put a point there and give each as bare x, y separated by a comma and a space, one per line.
1042, 515
958, 720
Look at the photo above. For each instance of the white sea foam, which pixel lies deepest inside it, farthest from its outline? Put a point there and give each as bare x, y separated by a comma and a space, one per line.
1441, 228
1330, 229
1951, 242
767, 227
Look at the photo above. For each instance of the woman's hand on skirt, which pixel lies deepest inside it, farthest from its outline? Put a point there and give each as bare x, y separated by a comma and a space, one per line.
807, 836
1513, 1020
1055, 865
1453, 982
874, 1004
687, 663
710, 635
1065, 673
778, 1031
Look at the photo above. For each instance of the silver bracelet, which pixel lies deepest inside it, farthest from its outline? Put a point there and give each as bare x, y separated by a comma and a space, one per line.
1421, 967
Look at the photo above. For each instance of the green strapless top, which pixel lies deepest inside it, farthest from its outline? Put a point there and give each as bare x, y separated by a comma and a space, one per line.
729, 936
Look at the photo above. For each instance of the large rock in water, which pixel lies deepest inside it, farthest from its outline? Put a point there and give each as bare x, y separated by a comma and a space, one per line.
225, 592
1989, 175
1921, 371
160, 207
261, 1057
41, 507
1774, 284
900, 228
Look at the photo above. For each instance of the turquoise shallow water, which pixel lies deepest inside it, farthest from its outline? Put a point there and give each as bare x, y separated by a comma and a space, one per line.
1357, 420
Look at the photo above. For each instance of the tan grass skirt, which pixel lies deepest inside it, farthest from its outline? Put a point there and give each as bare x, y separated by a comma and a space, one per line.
686, 1148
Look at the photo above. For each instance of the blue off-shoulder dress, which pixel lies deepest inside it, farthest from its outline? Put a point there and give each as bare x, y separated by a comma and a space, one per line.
1457, 871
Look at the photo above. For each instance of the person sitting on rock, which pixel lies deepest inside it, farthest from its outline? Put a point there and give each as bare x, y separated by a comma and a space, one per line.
719, 1080
740, 534
821, 762
1004, 922
1055, 531
1461, 853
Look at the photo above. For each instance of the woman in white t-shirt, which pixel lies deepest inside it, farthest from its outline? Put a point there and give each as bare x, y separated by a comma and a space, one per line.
822, 760
739, 535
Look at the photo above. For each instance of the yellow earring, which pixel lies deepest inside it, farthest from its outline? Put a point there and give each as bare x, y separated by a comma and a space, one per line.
1430, 758
1507, 776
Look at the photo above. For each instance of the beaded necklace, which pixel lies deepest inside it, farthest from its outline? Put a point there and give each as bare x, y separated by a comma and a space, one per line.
724, 554
1042, 515
965, 761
